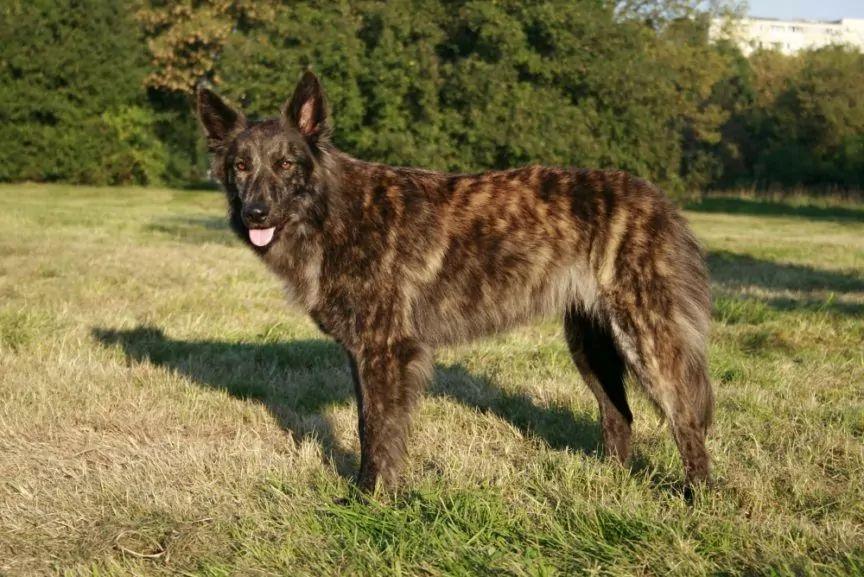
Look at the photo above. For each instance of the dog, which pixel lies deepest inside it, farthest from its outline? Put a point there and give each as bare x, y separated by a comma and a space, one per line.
392, 262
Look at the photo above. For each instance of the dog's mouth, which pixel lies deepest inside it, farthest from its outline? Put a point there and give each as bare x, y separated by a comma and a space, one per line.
261, 237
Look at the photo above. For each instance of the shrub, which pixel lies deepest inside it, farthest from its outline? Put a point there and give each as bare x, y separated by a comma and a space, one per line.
72, 104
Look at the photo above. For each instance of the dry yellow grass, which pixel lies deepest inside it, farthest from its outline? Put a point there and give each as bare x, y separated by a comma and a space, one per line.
163, 411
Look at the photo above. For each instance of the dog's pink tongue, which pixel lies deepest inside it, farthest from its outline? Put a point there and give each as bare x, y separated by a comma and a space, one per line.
261, 236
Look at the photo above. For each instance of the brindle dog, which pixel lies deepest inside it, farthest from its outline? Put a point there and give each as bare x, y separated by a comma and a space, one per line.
392, 262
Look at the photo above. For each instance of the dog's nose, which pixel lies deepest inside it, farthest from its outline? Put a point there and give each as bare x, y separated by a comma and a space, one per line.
255, 213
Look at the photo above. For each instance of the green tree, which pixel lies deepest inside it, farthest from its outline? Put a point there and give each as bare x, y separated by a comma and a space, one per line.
186, 37
449, 84
260, 66
466, 85
73, 104
800, 120
820, 119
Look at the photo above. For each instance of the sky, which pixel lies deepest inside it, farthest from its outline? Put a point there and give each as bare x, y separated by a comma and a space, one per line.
807, 9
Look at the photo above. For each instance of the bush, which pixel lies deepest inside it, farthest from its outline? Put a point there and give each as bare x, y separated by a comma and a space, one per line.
73, 103
457, 85
478, 85
803, 122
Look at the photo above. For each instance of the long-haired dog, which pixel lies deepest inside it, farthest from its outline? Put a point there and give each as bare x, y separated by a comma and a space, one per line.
392, 262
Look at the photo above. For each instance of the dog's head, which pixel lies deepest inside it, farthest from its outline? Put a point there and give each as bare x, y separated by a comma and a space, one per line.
273, 171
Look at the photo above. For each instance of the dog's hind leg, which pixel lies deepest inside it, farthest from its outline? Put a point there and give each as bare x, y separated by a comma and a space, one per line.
603, 369
668, 359
684, 394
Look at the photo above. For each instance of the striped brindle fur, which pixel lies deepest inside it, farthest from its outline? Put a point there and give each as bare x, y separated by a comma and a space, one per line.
392, 262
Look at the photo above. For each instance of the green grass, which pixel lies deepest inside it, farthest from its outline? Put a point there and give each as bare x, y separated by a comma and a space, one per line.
164, 412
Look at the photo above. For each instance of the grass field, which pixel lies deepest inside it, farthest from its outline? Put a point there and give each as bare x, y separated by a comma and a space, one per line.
163, 411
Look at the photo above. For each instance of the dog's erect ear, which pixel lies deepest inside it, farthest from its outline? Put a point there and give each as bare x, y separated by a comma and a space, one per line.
219, 119
307, 110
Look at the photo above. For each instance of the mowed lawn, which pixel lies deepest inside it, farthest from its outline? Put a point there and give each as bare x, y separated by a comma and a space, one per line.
163, 411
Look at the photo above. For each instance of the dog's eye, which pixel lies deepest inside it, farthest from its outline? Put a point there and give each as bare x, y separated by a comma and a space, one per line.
240, 166
285, 164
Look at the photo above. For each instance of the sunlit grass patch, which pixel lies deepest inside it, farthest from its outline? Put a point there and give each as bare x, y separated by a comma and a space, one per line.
163, 411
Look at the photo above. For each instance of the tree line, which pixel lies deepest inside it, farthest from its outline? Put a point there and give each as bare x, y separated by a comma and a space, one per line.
99, 91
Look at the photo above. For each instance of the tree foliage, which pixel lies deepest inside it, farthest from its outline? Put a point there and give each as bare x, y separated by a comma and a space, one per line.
186, 37
98, 90
72, 100
466, 85
799, 120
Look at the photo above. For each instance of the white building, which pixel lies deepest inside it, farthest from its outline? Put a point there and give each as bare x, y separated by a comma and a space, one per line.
788, 36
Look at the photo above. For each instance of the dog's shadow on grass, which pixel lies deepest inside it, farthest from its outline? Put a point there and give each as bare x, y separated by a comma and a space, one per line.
556, 425
298, 380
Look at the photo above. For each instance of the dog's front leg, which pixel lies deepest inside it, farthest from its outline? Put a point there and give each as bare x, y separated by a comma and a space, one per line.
388, 381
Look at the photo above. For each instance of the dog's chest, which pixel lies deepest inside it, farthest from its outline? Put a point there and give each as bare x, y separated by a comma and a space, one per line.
299, 266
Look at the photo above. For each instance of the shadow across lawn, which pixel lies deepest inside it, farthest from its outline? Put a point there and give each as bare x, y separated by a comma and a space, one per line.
297, 381
735, 270
557, 425
193, 229
757, 207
